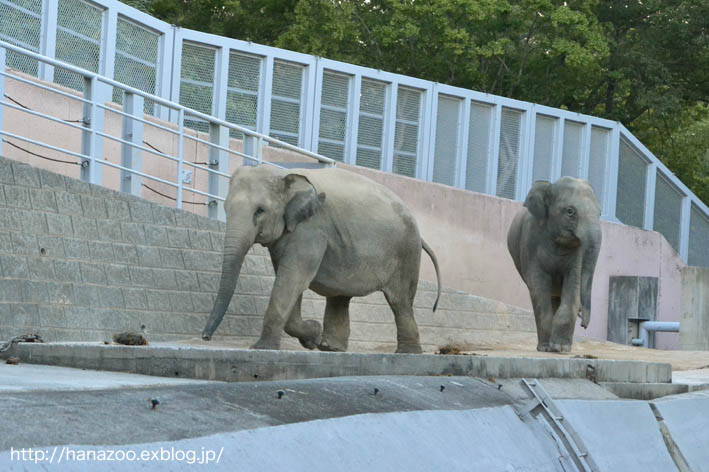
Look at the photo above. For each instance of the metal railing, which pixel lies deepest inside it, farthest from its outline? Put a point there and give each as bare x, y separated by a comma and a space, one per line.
94, 98
357, 115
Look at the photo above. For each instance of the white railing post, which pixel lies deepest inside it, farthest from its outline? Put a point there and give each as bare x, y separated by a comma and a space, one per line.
685, 214
91, 141
219, 161
250, 148
493, 156
48, 41
612, 174
649, 203
2, 88
180, 153
132, 131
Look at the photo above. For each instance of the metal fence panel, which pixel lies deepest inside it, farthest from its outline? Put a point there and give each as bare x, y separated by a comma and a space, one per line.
371, 123
668, 210
446, 150
21, 24
333, 115
479, 129
286, 101
137, 50
197, 82
79, 34
698, 238
598, 159
243, 86
406, 136
571, 155
544, 137
632, 175
508, 157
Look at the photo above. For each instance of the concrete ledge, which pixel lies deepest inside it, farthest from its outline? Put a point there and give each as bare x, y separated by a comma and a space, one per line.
243, 365
647, 391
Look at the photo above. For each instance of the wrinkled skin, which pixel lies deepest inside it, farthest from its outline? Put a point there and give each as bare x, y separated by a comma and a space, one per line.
330, 230
554, 243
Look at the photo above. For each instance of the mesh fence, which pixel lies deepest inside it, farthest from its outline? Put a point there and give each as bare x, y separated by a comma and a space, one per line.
79, 30
544, 136
668, 209
285, 101
21, 25
333, 115
243, 84
571, 155
630, 199
508, 158
445, 153
197, 82
479, 129
408, 111
371, 124
698, 238
598, 157
136, 60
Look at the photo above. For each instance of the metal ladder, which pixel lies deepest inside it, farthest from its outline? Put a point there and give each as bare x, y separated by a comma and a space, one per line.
541, 403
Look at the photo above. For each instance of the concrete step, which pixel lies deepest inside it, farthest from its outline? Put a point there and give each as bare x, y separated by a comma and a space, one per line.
650, 391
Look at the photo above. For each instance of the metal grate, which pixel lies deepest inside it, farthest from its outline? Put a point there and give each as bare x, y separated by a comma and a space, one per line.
136, 60
21, 25
243, 86
598, 157
668, 208
371, 123
508, 158
478, 146
698, 238
333, 115
197, 82
285, 101
544, 137
406, 136
573, 142
446, 150
79, 32
632, 173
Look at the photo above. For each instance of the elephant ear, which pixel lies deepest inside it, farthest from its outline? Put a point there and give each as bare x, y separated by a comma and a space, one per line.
538, 199
303, 200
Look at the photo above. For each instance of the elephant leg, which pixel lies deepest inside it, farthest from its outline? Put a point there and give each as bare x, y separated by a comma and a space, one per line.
293, 276
336, 324
562, 329
542, 303
308, 332
407, 331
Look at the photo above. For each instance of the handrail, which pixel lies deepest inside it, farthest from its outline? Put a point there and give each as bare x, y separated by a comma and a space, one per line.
161, 101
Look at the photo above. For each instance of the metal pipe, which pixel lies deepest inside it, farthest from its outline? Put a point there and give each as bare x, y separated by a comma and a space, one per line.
647, 327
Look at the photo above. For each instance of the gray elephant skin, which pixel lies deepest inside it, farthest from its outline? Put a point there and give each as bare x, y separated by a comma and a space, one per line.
333, 231
554, 242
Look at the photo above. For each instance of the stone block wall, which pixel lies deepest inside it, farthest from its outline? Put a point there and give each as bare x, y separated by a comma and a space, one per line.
79, 262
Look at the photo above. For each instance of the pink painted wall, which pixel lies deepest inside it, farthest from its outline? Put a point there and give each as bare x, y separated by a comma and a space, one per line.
466, 230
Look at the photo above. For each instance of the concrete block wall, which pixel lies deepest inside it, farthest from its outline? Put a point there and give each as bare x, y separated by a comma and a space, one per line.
80, 262
694, 324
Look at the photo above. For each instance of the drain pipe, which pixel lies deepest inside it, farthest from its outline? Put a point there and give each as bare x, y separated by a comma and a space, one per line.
646, 327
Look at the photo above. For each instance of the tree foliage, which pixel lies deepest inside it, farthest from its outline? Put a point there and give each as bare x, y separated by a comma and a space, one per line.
644, 63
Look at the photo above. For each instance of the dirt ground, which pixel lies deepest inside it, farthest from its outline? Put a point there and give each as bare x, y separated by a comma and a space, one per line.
680, 360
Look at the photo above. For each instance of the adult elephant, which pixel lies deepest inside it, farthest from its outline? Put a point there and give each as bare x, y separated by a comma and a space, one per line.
330, 230
554, 243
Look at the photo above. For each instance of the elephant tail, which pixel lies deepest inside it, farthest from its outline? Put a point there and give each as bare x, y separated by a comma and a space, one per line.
430, 253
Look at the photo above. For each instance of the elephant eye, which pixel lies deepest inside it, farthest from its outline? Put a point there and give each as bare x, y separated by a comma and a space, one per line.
570, 211
259, 210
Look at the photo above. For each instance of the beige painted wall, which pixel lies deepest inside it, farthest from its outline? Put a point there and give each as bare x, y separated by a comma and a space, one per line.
467, 230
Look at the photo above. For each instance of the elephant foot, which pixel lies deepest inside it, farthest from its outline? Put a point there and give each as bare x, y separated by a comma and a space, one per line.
206, 337
408, 349
330, 346
271, 344
556, 347
544, 347
313, 338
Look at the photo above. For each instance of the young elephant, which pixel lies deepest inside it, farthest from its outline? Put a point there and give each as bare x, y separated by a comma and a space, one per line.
554, 243
330, 230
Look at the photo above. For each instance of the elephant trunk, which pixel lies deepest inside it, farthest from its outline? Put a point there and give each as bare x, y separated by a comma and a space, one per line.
236, 245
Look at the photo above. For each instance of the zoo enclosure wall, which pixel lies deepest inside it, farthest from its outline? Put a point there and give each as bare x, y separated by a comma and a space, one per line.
360, 116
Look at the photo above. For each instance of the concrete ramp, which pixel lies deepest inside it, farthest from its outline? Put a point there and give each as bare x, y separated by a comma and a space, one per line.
687, 420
